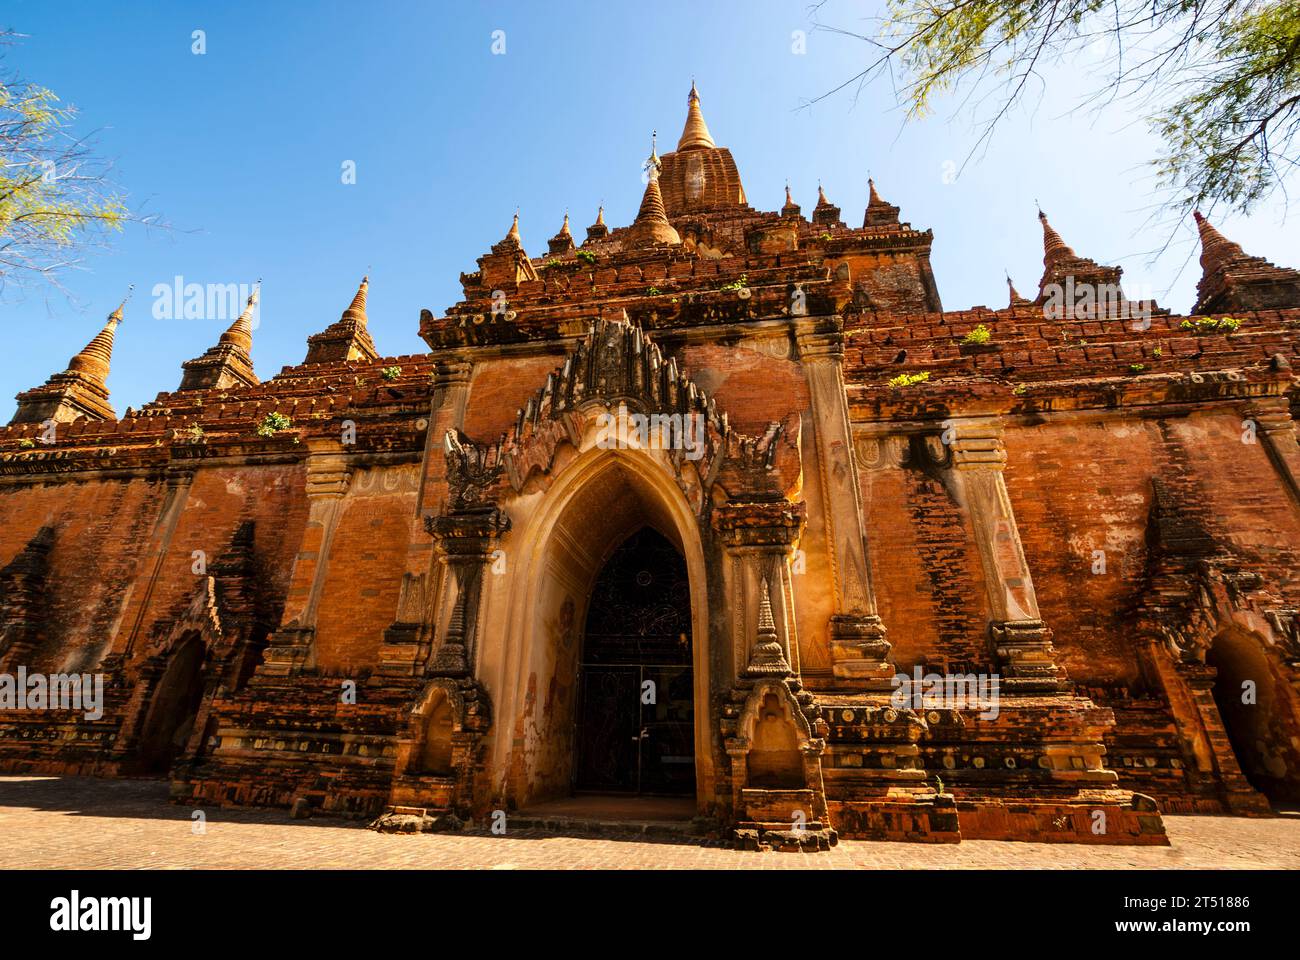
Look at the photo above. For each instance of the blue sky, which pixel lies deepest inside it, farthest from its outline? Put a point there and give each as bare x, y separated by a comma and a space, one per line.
242, 148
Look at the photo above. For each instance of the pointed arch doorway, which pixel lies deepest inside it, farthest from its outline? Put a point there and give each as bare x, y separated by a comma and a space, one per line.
635, 727
599, 502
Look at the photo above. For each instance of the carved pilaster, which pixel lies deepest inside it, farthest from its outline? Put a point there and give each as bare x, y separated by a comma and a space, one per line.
1275, 428
859, 650
290, 649
179, 480
408, 639
759, 539
1022, 643
466, 541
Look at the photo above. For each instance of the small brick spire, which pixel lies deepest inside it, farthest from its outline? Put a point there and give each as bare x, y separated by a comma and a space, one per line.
95, 357
1232, 279
1015, 298
356, 311
878, 211
695, 135
512, 235
1055, 249
562, 241
347, 338
598, 230
1073, 286
791, 209
82, 389
228, 364
1216, 249
825, 213
240, 333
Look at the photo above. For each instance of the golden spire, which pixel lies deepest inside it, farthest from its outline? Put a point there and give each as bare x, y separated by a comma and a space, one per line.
1054, 248
821, 196
651, 224
652, 205
653, 164
93, 360
695, 134
564, 227
240, 333
875, 197
600, 215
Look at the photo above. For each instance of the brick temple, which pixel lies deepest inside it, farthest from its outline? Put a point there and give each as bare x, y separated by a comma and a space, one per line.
665, 511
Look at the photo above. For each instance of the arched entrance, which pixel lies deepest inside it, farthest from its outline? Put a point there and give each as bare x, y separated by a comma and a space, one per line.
563, 541
173, 706
1245, 695
635, 729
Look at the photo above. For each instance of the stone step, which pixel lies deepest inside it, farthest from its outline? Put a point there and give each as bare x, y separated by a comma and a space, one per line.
602, 827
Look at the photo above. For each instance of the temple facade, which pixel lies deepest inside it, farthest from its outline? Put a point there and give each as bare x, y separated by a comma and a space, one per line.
721, 504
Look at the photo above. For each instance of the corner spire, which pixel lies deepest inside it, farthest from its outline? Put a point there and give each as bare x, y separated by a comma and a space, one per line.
878, 212
598, 230
1232, 279
229, 363
825, 213
1216, 249
791, 209
1015, 298
356, 311
1075, 287
695, 135
1054, 248
240, 333
82, 389
347, 338
562, 242
94, 358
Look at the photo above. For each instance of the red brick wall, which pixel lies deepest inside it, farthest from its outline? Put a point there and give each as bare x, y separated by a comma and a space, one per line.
499, 389
750, 384
928, 578
101, 530
367, 559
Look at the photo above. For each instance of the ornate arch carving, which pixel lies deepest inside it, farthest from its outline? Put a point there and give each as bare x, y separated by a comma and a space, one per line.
618, 366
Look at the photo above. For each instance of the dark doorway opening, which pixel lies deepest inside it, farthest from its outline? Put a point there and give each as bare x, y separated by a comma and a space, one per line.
174, 707
636, 710
1243, 692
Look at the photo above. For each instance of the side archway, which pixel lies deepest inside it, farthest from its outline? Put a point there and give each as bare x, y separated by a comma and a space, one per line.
1251, 702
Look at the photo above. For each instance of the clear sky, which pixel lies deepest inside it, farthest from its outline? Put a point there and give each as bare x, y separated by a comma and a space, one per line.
242, 150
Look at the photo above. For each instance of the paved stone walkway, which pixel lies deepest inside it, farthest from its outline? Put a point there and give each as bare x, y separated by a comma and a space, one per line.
73, 822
